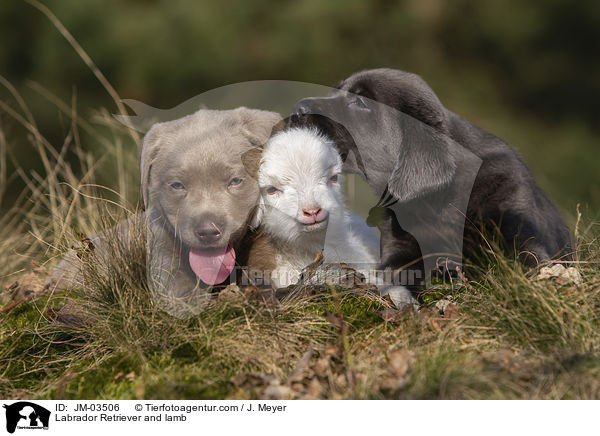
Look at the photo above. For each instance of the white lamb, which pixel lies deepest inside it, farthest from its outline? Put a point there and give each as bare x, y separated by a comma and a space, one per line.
303, 212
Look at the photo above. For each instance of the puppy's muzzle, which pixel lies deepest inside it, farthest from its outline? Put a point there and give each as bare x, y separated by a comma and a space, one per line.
301, 111
208, 232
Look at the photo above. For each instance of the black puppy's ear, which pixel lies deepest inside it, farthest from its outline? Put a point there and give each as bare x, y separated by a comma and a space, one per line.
426, 162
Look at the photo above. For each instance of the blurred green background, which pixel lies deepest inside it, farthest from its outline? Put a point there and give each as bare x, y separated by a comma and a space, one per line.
527, 71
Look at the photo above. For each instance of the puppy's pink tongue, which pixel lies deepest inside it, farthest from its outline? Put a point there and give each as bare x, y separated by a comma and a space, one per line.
214, 266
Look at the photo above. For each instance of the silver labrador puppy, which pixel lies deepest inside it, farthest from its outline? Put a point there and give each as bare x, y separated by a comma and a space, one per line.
199, 188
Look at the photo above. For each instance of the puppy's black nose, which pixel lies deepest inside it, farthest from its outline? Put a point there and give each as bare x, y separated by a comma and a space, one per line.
301, 108
300, 113
208, 232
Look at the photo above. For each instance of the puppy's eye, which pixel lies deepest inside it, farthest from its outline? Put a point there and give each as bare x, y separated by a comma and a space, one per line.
177, 186
272, 190
334, 178
359, 102
236, 181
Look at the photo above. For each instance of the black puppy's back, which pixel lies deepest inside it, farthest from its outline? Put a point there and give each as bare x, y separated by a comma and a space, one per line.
504, 196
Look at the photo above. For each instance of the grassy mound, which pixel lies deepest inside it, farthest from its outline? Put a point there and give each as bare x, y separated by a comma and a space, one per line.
499, 333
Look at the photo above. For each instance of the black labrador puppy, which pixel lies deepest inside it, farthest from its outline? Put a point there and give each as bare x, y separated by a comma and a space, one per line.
434, 171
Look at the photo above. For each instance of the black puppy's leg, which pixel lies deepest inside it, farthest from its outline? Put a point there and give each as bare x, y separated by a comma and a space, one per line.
399, 250
526, 237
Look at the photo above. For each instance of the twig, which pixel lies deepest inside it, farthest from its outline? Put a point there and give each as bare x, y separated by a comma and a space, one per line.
2, 163
86, 59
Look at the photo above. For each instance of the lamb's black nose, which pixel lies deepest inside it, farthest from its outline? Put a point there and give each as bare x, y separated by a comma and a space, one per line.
208, 232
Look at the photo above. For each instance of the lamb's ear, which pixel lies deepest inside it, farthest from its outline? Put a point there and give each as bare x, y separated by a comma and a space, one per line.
259, 212
147, 152
259, 125
251, 160
426, 162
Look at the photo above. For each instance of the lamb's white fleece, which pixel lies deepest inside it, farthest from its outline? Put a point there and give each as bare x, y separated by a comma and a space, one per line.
303, 211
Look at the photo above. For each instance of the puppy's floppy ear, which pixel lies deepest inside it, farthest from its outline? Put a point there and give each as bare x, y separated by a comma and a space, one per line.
259, 125
147, 153
251, 160
427, 162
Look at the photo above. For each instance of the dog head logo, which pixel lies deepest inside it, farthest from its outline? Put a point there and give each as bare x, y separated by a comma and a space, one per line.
26, 415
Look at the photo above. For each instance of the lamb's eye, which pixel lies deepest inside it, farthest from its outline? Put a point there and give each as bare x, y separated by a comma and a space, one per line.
236, 181
334, 178
177, 186
271, 190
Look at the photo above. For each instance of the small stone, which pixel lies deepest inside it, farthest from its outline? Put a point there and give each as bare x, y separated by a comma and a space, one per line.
561, 274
